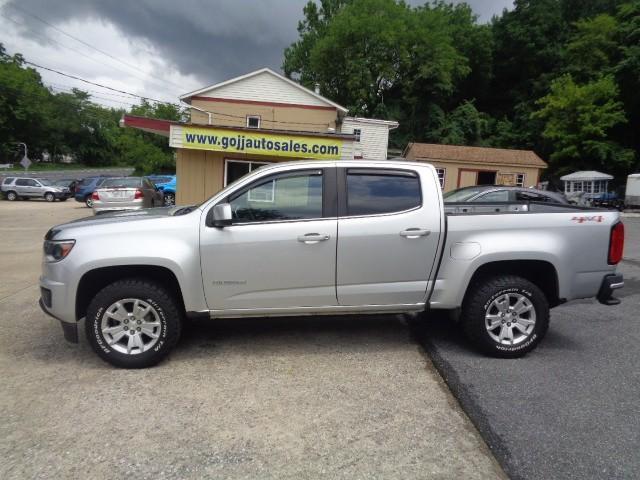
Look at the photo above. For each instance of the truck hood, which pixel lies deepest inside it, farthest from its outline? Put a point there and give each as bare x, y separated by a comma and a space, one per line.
114, 218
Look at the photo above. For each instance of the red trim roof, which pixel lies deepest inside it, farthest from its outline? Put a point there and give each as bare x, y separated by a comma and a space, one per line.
153, 125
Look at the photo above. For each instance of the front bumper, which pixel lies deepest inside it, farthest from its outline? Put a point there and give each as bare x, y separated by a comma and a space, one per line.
70, 330
610, 283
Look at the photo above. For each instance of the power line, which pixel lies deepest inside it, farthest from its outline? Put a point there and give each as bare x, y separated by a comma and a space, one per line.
55, 42
99, 85
69, 87
91, 46
66, 90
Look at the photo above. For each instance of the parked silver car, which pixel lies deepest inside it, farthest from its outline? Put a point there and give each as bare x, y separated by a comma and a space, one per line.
126, 193
503, 193
15, 188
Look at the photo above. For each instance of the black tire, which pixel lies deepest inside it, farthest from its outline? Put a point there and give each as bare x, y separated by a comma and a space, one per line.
169, 199
49, 197
11, 196
88, 201
478, 304
165, 305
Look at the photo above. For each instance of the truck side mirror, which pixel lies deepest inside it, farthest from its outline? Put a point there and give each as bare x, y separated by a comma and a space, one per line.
222, 216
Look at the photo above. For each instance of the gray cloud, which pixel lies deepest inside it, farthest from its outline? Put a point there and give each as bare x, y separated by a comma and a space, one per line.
211, 40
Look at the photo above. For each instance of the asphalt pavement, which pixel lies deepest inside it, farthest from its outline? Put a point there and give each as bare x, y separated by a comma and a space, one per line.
571, 408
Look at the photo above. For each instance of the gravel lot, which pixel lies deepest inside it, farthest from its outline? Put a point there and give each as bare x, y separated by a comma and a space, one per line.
264, 398
569, 409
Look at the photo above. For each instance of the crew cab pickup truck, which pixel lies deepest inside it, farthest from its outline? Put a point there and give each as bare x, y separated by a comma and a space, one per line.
339, 237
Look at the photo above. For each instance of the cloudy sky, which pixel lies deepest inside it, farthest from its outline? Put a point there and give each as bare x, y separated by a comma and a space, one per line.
156, 48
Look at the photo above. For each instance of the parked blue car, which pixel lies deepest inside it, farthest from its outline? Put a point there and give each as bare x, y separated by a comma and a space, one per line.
169, 191
160, 179
85, 188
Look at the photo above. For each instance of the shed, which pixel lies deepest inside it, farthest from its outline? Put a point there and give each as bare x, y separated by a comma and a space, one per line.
462, 166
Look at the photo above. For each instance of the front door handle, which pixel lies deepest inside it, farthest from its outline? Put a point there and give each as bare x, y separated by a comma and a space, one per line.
414, 233
311, 238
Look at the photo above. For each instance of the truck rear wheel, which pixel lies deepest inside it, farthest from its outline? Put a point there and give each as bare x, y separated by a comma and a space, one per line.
133, 323
505, 316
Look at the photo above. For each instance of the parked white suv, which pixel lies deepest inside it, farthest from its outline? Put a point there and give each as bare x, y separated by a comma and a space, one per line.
15, 188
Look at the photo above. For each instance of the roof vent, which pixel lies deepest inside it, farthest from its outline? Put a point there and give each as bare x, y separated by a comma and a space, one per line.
316, 88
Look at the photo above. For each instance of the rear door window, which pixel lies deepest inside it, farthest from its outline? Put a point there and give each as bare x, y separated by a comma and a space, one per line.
372, 192
25, 182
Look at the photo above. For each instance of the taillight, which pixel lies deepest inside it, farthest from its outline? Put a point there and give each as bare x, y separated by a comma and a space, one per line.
616, 243
139, 194
95, 196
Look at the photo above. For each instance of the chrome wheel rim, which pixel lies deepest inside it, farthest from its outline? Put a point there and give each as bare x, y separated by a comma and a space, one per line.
169, 200
510, 319
89, 202
131, 326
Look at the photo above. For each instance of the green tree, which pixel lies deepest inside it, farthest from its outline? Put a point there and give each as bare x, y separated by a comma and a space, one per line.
577, 122
311, 28
464, 125
592, 48
25, 113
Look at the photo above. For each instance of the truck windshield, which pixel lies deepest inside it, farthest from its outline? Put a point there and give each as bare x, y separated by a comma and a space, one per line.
461, 195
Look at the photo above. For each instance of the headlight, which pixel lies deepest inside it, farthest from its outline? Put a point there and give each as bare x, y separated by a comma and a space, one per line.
56, 250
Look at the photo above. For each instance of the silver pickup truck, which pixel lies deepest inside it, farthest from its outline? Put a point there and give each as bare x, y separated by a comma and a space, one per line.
340, 237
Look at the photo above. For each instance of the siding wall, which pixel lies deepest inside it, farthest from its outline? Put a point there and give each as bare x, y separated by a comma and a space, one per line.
234, 114
374, 139
265, 87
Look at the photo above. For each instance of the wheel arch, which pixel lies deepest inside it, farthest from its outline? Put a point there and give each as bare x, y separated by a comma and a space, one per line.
541, 273
95, 280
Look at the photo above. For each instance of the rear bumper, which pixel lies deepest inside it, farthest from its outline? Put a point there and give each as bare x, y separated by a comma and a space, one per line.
610, 283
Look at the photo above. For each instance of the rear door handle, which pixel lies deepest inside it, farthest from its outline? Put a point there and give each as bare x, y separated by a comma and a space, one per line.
311, 238
414, 233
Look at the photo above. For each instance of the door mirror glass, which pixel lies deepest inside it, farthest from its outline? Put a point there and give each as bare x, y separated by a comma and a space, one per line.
221, 215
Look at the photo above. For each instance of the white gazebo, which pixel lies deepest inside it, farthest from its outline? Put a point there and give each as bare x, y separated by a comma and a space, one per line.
590, 183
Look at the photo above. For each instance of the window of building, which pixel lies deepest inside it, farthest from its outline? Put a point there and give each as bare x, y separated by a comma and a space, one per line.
235, 169
441, 175
357, 132
253, 121
370, 193
520, 179
282, 197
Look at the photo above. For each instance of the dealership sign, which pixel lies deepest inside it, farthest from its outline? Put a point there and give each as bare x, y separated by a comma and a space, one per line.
279, 145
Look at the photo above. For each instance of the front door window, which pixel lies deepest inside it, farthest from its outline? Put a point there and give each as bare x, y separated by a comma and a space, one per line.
286, 197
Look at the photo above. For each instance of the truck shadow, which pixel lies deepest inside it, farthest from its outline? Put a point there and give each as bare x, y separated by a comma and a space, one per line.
306, 334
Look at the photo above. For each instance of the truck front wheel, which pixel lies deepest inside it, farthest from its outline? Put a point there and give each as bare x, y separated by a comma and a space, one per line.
505, 316
133, 323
